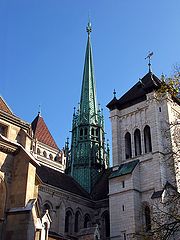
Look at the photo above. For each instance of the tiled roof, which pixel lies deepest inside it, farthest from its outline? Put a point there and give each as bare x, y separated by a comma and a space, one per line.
42, 133
125, 168
60, 180
137, 93
4, 107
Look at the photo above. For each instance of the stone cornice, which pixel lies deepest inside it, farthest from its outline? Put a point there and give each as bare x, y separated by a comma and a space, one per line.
8, 148
66, 195
14, 120
74, 198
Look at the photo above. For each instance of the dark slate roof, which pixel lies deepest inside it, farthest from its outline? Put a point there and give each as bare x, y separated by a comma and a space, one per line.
137, 93
55, 235
157, 194
101, 188
125, 168
42, 133
61, 181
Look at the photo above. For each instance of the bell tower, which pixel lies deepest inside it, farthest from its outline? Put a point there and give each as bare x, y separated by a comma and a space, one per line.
88, 154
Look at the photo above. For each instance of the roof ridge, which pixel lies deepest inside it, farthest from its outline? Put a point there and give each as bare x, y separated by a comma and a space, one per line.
42, 133
4, 106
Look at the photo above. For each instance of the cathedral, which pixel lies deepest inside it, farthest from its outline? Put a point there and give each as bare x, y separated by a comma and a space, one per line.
73, 193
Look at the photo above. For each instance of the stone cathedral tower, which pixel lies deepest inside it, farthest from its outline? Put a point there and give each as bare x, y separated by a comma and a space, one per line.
88, 156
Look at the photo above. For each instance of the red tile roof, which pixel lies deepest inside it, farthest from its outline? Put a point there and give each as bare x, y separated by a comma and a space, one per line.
4, 107
42, 133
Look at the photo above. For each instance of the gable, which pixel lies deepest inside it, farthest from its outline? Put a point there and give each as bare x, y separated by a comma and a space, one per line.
42, 133
4, 107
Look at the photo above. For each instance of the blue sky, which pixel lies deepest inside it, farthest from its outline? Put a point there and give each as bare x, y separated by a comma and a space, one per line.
42, 48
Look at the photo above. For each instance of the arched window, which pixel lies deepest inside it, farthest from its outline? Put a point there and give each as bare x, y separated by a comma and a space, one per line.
85, 131
137, 142
147, 218
128, 150
50, 156
87, 221
77, 222
38, 151
106, 224
147, 139
45, 154
81, 132
46, 207
68, 222
97, 132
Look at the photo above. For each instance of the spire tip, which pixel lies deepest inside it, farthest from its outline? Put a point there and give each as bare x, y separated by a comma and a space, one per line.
89, 28
114, 93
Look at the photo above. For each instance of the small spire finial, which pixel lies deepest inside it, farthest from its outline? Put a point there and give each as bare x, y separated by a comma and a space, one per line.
39, 111
74, 111
149, 57
89, 28
114, 92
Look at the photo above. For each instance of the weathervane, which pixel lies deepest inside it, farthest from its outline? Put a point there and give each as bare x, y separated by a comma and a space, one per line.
149, 57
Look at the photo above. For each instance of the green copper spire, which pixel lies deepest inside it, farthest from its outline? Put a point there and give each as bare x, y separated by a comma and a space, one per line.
88, 103
88, 156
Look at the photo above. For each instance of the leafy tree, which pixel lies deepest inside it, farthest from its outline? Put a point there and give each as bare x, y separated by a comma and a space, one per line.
171, 84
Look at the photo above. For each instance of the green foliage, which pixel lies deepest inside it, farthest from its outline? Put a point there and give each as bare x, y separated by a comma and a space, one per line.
171, 84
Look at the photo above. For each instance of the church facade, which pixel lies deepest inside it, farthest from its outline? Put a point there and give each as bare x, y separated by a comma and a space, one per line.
145, 130
72, 193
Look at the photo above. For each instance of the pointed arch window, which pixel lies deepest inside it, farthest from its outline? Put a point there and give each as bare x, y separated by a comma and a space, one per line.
38, 151
81, 133
85, 131
128, 149
147, 139
106, 224
45, 154
147, 218
93, 134
77, 222
137, 142
47, 206
3, 130
68, 222
87, 221
97, 132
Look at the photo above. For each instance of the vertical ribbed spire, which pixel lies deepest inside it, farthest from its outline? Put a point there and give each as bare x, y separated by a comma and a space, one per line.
88, 102
88, 156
